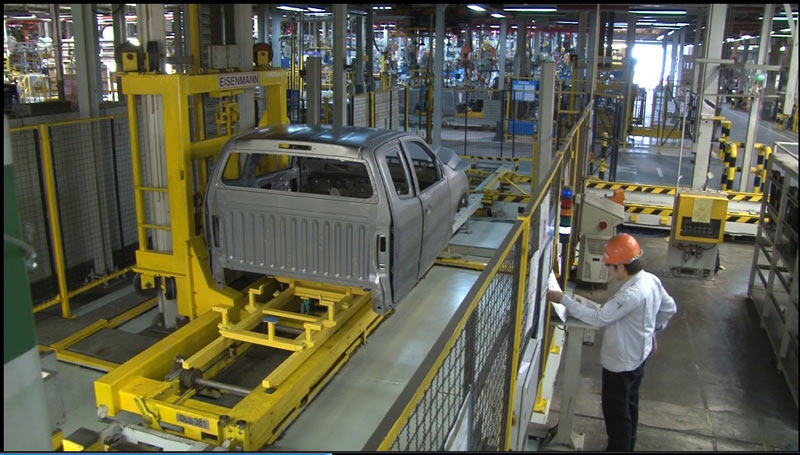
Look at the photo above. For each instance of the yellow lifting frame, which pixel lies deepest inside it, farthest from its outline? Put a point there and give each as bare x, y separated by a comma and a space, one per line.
138, 386
196, 295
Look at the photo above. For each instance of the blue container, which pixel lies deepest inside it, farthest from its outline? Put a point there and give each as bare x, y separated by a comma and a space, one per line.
522, 127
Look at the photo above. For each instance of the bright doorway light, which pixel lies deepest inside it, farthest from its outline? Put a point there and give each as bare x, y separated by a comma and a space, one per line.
648, 65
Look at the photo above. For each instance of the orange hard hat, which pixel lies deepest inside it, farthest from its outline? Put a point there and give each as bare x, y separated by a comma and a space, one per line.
621, 249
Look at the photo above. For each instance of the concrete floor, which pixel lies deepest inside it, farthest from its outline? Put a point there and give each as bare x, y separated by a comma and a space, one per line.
713, 384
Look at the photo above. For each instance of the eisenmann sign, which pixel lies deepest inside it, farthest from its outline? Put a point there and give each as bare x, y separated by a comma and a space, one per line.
237, 80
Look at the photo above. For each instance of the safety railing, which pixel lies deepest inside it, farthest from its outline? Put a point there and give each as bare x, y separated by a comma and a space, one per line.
76, 205
472, 366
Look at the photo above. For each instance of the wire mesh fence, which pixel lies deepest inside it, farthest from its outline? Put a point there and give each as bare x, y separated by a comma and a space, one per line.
33, 215
93, 195
475, 373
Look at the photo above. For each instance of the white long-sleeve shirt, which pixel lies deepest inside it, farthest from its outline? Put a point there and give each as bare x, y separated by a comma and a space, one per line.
631, 317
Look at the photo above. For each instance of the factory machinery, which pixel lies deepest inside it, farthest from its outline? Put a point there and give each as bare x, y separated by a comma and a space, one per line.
244, 360
248, 357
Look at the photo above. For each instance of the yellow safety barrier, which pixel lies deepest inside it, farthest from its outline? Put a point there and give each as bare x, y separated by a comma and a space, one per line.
760, 170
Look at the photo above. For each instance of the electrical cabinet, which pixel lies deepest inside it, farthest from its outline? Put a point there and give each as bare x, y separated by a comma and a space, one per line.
773, 277
698, 227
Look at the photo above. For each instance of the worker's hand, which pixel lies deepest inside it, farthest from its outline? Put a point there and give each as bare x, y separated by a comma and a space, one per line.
554, 296
655, 345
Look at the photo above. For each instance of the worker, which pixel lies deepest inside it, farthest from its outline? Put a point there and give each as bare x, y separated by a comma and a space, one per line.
640, 308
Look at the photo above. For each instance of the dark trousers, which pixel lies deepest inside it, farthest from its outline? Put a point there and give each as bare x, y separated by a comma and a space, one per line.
621, 407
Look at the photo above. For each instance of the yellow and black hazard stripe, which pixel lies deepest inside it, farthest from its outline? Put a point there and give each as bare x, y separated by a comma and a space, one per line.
602, 185
630, 187
667, 211
521, 178
494, 158
649, 210
750, 197
518, 199
739, 218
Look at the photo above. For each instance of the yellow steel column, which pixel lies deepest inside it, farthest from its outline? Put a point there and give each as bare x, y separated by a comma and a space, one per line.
179, 181
55, 224
521, 273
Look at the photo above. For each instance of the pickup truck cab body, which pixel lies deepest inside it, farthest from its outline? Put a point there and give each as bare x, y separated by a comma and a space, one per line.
351, 206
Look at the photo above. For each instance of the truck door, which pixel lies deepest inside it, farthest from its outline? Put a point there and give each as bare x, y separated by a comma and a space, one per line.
406, 239
434, 195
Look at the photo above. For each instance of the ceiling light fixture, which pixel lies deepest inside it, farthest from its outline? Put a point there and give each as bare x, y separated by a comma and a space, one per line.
663, 12
314, 9
531, 10
477, 8
291, 8
498, 15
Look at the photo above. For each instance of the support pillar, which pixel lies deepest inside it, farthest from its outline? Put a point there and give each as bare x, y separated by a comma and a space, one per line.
745, 184
276, 37
313, 89
501, 83
339, 62
88, 58
547, 89
594, 44
243, 19
263, 23
679, 65
263, 37
438, 65
56, 24
522, 43
707, 99
118, 21
583, 19
791, 87
369, 55
591, 54
358, 62
672, 63
630, 40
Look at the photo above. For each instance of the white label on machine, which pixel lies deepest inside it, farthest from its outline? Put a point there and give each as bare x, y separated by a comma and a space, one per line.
701, 212
237, 80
